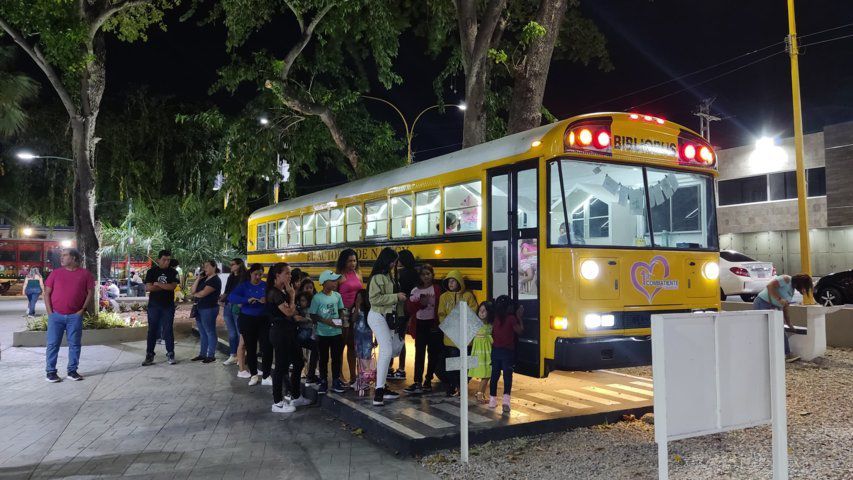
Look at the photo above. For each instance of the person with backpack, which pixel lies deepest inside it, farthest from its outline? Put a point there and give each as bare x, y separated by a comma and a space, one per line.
454, 292
384, 298
505, 330
422, 306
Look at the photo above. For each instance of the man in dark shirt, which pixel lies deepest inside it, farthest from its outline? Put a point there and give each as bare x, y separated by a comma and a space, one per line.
160, 282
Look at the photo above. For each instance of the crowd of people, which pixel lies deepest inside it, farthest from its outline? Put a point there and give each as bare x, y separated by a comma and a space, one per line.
299, 331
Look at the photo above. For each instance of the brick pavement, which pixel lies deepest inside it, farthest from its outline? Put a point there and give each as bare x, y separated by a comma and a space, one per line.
163, 422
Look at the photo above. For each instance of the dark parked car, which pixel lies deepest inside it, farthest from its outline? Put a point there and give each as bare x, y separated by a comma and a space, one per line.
835, 289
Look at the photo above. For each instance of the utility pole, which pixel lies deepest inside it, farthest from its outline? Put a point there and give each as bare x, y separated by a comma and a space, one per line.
802, 207
705, 118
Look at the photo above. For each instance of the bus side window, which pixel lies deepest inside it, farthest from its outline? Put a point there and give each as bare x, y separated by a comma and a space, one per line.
462, 208
322, 229
427, 213
282, 233
294, 230
354, 217
337, 222
261, 241
376, 221
271, 236
401, 216
308, 229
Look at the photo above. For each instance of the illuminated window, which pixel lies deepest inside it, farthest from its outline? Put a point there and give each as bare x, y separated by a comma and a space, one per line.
294, 231
261, 240
376, 219
354, 217
271, 236
462, 208
427, 213
401, 217
322, 236
282, 233
308, 229
336, 220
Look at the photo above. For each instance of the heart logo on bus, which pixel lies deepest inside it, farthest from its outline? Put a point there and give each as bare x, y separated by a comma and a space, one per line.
642, 277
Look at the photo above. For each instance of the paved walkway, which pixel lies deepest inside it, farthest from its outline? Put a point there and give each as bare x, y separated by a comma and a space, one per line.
184, 421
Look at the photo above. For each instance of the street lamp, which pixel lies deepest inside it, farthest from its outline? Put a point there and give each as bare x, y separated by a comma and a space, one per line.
28, 156
264, 121
27, 231
410, 131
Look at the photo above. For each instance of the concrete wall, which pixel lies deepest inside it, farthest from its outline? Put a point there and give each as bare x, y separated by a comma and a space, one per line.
839, 164
734, 162
832, 248
769, 216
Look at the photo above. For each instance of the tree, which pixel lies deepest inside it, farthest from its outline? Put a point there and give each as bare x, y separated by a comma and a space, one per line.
15, 89
65, 39
323, 70
521, 36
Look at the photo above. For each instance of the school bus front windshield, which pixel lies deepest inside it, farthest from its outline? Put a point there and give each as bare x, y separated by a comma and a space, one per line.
605, 205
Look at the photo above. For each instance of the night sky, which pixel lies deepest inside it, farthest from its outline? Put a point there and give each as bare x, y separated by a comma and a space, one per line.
649, 42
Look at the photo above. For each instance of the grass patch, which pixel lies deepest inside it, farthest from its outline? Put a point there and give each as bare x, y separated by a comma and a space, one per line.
101, 321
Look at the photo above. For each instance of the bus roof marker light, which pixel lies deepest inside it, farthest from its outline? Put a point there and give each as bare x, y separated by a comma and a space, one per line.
647, 118
689, 151
585, 137
659, 120
536, 143
706, 155
590, 269
634, 116
603, 139
572, 138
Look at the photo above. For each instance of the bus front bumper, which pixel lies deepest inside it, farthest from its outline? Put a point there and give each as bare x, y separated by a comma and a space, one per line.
596, 353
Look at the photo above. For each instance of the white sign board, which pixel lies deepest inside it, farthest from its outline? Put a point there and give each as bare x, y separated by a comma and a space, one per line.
451, 326
715, 372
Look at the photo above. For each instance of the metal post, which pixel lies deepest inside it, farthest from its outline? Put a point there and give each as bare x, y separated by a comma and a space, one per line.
778, 413
802, 194
463, 385
130, 241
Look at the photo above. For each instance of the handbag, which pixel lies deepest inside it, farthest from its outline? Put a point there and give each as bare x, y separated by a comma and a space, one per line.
391, 320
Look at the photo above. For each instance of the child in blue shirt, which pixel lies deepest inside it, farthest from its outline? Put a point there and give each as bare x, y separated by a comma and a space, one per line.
328, 312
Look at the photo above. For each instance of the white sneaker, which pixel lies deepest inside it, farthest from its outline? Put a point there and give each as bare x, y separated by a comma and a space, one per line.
300, 402
256, 379
244, 374
267, 381
283, 407
231, 360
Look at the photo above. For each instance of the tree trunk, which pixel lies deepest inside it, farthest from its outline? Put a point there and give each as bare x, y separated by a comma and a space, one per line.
474, 123
525, 110
83, 147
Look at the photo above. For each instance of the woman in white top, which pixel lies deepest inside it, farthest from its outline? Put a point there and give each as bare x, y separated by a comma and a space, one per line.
33, 288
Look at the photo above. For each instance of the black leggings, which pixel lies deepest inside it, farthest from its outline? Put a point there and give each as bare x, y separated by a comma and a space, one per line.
287, 352
256, 329
336, 345
427, 338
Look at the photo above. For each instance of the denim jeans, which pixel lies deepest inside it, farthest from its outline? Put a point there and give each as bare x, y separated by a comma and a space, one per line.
233, 330
760, 304
32, 298
502, 361
59, 325
206, 321
161, 318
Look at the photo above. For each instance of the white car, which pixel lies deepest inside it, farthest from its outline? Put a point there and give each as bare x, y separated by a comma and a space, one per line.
744, 276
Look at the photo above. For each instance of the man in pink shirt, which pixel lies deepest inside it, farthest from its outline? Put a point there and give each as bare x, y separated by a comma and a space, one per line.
68, 290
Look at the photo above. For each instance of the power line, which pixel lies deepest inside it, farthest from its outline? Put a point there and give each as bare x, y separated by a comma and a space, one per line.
683, 76
818, 42
689, 87
827, 30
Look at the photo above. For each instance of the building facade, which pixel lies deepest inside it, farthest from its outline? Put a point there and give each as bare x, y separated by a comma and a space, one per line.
757, 200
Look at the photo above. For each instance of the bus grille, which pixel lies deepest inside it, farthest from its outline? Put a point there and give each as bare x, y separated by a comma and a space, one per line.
631, 320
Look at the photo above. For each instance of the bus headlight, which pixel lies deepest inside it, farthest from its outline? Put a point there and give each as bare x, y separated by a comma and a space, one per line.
711, 270
559, 323
592, 321
608, 320
589, 269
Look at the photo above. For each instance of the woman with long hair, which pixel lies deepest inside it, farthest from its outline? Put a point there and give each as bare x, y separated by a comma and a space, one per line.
348, 286
33, 288
281, 308
230, 312
407, 279
384, 299
254, 324
205, 294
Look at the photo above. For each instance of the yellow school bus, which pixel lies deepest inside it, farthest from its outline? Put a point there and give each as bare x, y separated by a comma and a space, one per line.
592, 223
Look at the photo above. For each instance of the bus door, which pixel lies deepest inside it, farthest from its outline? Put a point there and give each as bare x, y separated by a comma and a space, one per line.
513, 249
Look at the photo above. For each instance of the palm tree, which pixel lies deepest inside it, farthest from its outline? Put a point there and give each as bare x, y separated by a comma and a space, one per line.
15, 89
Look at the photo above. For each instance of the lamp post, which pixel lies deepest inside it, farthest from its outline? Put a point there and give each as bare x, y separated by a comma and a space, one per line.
28, 156
410, 130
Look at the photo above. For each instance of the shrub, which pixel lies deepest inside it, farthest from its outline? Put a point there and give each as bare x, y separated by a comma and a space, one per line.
90, 322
